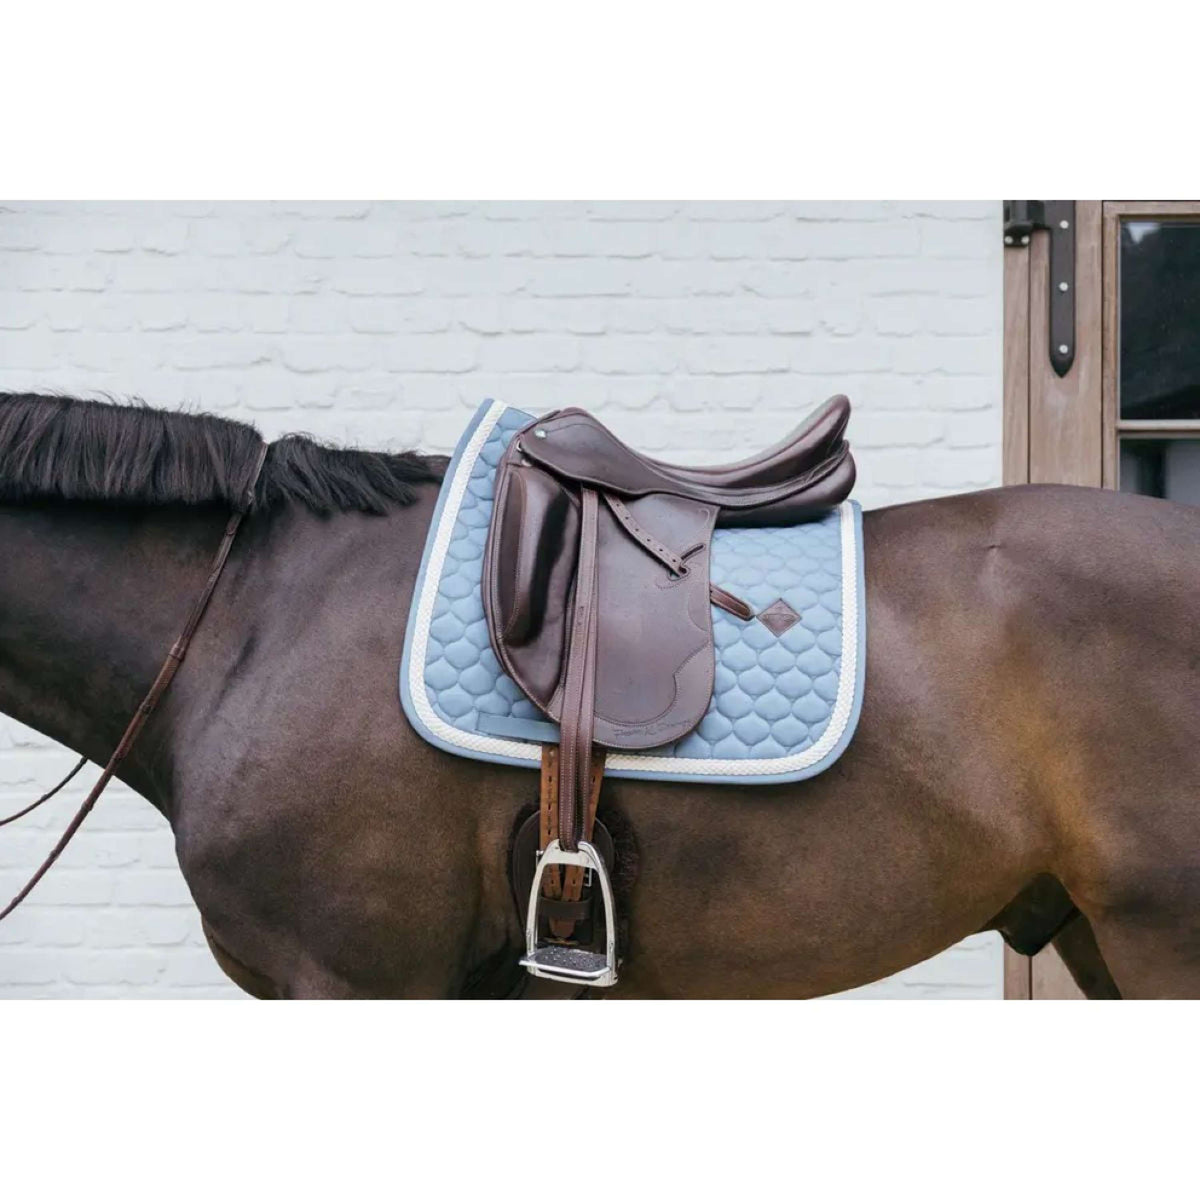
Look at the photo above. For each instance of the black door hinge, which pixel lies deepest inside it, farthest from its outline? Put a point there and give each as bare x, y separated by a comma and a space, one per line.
1056, 217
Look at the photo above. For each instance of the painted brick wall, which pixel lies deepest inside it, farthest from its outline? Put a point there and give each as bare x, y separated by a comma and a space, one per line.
693, 329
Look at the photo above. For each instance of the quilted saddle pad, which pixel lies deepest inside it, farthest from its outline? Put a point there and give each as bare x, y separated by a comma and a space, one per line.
788, 686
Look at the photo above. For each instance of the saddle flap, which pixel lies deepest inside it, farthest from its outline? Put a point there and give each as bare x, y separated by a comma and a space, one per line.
654, 650
655, 660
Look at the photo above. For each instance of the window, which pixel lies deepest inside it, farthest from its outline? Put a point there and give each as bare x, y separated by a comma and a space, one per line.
1156, 257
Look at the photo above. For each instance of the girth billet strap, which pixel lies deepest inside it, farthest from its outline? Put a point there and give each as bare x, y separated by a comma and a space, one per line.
579, 680
174, 660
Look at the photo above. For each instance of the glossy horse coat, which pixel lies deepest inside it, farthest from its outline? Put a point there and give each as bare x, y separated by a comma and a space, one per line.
1026, 742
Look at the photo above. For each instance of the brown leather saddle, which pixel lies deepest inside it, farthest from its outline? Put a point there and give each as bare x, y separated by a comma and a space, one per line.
597, 593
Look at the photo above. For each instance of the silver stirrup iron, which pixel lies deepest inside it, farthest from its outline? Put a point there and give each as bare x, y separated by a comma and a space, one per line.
571, 964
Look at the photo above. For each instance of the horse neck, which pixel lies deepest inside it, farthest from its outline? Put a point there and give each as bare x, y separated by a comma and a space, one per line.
91, 600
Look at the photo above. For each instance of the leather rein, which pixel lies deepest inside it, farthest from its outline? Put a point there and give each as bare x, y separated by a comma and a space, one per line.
171, 665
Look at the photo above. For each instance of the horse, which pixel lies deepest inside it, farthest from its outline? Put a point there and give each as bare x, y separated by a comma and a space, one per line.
1025, 759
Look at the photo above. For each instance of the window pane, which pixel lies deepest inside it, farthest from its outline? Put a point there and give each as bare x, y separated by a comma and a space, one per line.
1168, 468
1160, 320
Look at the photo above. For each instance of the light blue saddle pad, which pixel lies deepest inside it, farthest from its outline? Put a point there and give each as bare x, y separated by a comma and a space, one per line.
784, 705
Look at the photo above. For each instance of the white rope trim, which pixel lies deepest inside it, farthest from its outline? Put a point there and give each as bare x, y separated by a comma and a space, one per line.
653, 764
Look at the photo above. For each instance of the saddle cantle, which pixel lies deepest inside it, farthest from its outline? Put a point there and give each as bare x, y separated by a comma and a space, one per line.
597, 596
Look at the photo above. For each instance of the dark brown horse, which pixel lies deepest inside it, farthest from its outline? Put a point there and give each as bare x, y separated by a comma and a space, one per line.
1026, 758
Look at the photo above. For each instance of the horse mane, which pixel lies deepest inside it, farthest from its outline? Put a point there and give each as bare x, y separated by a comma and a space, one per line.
58, 448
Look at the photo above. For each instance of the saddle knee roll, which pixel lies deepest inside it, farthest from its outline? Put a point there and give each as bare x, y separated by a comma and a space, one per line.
529, 570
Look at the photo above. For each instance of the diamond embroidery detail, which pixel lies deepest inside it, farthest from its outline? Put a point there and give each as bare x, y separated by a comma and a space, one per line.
779, 617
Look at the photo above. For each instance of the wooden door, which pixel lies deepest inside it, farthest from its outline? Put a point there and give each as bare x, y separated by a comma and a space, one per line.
1127, 411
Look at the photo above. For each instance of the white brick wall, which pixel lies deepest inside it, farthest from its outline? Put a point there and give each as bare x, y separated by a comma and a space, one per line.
386, 324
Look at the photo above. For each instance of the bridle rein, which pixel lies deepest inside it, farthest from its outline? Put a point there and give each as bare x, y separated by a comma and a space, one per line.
171, 665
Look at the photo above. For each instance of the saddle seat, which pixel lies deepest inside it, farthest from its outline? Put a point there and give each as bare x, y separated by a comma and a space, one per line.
597, 595
805, 474
804, 448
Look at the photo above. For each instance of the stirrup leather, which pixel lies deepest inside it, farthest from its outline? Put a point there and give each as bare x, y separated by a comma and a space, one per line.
572, 964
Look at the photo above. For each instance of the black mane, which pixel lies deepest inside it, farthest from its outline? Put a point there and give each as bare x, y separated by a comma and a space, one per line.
59, 448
